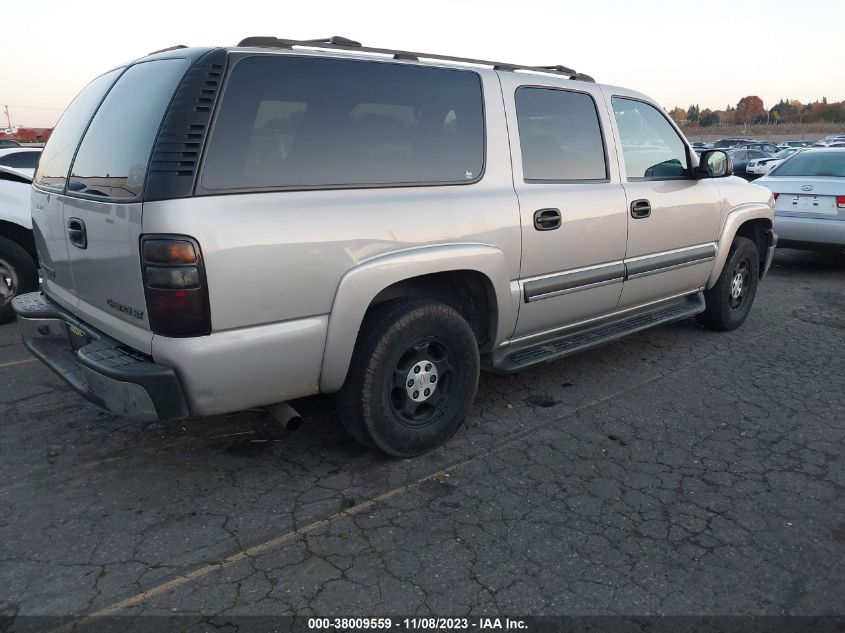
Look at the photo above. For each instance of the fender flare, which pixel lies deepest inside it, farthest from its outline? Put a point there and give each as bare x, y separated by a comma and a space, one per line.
360, 285
735, 218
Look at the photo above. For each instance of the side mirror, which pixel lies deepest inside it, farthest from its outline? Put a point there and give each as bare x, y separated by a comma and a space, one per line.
714, 163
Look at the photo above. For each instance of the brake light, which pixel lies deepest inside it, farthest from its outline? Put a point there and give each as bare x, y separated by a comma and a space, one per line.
840, 202
776, 195
174, 285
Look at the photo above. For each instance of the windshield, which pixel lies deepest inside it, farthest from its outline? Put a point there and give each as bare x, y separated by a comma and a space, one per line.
821, 163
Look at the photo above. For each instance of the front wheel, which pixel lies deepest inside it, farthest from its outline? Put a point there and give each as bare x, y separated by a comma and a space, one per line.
729, 300
412, 378
18, 275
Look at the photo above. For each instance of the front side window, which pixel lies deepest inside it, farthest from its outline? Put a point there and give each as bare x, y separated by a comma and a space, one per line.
651, 147
113, 157
298, 122
559, 135
55, 160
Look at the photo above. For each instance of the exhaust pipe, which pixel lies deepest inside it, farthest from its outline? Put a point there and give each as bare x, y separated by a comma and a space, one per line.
286, 415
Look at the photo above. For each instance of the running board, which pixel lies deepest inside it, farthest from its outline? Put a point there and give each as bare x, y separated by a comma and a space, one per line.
507, 360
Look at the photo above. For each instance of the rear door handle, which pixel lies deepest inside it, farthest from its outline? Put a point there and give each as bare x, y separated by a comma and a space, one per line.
76, 233
547, 219
640, 209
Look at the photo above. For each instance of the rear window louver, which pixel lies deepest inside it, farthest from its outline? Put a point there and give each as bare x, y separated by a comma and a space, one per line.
176, 153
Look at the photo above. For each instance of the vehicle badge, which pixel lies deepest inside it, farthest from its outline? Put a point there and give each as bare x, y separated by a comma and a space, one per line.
806, 187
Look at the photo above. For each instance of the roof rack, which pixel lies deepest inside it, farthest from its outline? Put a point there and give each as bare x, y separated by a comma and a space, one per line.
341, 43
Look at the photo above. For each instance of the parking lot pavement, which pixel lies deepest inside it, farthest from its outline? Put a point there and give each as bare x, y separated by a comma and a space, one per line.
677, 472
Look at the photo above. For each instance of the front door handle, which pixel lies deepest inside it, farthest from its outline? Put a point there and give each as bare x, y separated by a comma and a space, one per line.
547, 219
640, 209
76, 233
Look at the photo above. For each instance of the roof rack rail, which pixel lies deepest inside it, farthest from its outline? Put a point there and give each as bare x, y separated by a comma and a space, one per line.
341, 43
169, 48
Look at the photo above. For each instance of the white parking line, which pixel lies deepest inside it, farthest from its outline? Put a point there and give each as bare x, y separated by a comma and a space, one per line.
17, 362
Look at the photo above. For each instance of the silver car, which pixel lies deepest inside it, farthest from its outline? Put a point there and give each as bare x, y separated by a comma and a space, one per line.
809, 192
284, 218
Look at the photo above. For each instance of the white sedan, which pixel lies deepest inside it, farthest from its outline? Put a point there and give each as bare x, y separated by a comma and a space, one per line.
20, 159
809, 193
762, 166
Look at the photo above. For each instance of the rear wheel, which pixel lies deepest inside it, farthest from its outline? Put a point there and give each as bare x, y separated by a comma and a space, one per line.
18, 275
412, 378
729, 300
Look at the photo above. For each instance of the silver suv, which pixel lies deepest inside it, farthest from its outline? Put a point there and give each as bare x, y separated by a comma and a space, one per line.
234, 227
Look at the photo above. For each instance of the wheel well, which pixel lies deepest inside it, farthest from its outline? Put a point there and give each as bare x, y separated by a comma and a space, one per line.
756, 231
20, 235
467, 291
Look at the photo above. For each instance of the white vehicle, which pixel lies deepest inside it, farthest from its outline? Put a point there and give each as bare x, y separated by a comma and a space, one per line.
18, 260
762, 166
22, 159
809, 192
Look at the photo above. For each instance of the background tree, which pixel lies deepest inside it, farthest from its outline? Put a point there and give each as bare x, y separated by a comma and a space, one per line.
693, 113
678, 114
748, 109
708, 118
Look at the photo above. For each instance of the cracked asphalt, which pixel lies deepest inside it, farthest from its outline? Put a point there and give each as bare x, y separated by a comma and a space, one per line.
679, 471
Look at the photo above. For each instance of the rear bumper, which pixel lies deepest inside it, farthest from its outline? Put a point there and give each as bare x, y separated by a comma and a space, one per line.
823, 232
99, 368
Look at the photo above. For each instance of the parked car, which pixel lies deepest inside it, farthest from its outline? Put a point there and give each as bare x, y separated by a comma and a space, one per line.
760, 166
741, 157
727, 143
22, 159
787, 144
809, 191
334, 221
763, 146
7, 142
18, 260
700, 146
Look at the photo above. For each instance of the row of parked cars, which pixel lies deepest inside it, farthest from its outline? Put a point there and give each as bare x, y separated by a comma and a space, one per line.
753, 158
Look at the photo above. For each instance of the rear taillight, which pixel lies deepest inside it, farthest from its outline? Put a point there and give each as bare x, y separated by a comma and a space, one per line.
174, 284
840, 202
776, 195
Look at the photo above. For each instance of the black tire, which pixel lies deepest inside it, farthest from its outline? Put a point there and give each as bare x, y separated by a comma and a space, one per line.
18, 275
730, 300
427, 344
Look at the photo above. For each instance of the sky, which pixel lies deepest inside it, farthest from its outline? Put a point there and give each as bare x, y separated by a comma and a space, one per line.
707, 52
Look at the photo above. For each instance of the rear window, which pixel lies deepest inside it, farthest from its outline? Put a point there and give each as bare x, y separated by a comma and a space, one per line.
812, 163
292, 122
21, 160
112, 160
57, 154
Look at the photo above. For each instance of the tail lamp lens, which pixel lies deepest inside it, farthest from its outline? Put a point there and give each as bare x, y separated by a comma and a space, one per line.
174, 284
840, 202
775, 195
169, 252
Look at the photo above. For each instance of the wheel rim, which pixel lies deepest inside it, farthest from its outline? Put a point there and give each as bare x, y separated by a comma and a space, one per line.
421, 382
740, 284
8, 283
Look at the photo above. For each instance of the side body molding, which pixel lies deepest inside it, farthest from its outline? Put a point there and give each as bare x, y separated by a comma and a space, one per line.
359, 286
734, 219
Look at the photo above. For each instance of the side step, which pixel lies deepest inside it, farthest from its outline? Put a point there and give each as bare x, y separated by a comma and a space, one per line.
509, 360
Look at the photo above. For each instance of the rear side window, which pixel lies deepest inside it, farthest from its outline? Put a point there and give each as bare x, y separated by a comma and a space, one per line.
55, 160
113, 157
293, 122
22, 160
560, 136
651, 147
